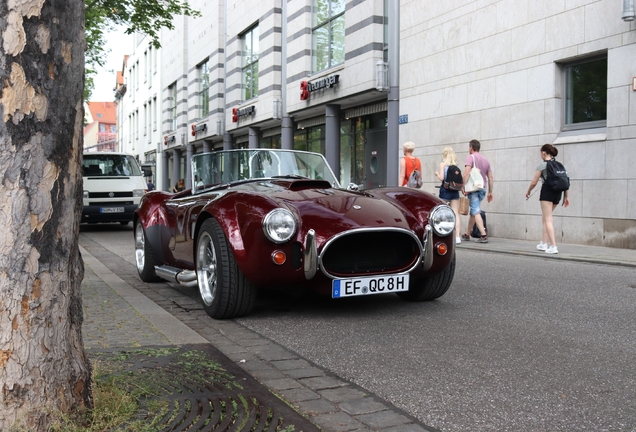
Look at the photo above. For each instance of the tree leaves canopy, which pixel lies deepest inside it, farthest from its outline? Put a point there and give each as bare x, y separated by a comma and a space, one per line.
137, 16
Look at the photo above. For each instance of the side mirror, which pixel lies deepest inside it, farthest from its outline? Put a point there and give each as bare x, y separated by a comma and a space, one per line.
147, 172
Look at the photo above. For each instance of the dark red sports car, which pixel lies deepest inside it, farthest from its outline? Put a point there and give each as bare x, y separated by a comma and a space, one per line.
278, 218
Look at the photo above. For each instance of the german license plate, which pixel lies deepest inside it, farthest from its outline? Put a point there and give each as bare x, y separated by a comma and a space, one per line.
112, 210
369, 285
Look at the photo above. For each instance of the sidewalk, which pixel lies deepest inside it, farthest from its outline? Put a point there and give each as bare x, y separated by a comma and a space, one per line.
123, 318
124, 314
567, 252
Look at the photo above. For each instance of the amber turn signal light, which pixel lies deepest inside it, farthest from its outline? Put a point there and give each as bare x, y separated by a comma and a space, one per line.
278, 257
441, 248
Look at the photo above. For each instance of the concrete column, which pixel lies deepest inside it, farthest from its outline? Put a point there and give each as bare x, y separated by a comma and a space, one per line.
207, 146
393, 101
332, 137
165, 181
287, 133
176, 167
254, 138
188, 175
227, 141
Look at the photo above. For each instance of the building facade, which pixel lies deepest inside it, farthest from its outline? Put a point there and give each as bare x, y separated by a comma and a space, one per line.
307, 75
138, 98
100, 132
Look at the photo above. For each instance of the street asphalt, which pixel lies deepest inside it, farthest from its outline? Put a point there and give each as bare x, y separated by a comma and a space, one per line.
120, 313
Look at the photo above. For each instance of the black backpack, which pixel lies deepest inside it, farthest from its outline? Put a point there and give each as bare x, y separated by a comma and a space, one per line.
556, 177
454, 179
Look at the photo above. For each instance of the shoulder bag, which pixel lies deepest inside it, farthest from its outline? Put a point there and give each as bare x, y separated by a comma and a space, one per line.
475, 180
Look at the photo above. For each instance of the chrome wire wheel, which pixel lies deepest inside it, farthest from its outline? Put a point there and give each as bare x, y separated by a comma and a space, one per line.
140, 247
207, 275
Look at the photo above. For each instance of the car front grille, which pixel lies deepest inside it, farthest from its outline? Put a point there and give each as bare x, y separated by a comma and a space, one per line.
110, 194
370, 252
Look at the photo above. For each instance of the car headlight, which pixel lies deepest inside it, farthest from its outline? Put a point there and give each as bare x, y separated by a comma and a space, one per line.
279, 225
442, 219
138, 192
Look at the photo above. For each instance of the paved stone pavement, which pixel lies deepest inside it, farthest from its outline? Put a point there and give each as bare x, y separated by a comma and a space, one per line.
122, 311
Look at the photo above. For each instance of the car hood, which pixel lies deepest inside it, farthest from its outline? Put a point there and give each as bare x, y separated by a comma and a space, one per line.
321, 207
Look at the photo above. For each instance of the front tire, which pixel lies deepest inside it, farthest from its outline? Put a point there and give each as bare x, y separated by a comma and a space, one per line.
430, 288
144, 258
225, 292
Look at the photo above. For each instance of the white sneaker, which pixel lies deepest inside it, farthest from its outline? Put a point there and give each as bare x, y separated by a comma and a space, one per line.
458, 240
552, 250
542, 246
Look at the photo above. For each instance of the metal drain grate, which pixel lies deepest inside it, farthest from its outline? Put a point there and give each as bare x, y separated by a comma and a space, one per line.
195, 388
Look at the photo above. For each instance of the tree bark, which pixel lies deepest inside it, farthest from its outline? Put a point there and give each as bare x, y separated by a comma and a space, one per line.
43, 365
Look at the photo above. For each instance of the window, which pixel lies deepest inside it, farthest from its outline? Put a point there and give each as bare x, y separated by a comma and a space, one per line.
145, 119
154, 114
250, 63
172, 101
310, 139
146, 66
586, 94
328, 34
204, 86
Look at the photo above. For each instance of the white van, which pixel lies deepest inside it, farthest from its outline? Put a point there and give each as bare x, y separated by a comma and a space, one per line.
113, 186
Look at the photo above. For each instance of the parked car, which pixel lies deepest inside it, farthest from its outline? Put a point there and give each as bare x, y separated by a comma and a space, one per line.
279, 218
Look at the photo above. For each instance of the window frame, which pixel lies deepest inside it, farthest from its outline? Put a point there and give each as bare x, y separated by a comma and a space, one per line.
566, 106
172, 108
328, 23
204, 88
250, 61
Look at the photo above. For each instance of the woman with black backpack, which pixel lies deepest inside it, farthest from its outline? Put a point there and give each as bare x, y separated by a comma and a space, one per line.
451, 177
549, 199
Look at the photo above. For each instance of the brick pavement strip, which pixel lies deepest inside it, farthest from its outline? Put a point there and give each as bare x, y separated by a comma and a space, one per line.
317, 393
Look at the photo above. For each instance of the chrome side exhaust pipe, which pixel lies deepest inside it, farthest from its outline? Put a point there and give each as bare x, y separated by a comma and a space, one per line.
187, 278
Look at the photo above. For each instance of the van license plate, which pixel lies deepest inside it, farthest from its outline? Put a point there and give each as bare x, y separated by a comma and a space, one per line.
112, 210
369, 285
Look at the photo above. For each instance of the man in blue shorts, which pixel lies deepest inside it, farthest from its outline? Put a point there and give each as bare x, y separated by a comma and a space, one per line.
475, 159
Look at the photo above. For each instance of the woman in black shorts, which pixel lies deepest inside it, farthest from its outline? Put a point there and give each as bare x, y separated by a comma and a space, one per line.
449, 158
548, 198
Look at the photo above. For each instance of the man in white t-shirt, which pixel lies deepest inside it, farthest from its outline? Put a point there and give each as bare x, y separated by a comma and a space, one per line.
475, 159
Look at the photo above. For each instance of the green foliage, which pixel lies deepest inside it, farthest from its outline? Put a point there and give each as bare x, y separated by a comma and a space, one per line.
136, 16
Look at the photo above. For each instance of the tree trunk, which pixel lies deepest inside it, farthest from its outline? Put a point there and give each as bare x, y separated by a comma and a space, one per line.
43, 365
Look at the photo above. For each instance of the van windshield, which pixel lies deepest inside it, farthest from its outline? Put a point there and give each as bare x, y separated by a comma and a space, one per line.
110, 165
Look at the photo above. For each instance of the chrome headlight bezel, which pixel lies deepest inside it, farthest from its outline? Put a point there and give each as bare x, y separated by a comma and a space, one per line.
279, 225
442, 220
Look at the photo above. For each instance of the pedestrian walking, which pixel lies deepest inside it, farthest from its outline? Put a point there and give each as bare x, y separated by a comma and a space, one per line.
477, 192
150, 185
408, 164
449, 159
180, 186
548, 198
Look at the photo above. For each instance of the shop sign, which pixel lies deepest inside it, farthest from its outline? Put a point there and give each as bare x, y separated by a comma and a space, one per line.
307, 87
199, 128
243, 112
169, 140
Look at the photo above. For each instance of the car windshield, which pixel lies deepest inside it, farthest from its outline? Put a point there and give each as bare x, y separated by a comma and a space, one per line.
110, 165
230, 166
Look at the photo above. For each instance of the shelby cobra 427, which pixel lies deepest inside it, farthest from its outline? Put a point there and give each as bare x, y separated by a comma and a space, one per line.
263, 218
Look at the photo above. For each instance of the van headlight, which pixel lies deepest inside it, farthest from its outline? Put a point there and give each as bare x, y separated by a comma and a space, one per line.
442, 219
279, 225
138, 192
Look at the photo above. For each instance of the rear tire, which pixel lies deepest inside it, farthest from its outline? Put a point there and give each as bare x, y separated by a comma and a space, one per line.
432, 287
225, 292
144, 259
